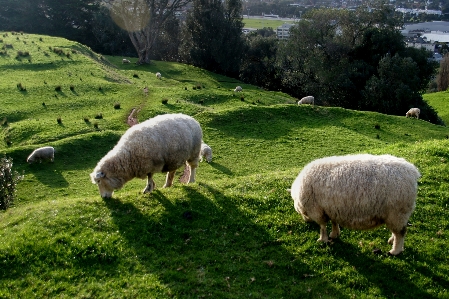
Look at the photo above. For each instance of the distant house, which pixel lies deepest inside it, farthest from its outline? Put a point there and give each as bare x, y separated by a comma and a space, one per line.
283, 31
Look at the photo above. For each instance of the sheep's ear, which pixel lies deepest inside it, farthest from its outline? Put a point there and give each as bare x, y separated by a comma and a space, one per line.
99, 175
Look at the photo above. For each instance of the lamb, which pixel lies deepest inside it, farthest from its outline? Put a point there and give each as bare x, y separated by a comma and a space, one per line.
42, 153
238, 89
125, 61
358, 192
413, 112
158, 75
307, 100
206, 152
160, 144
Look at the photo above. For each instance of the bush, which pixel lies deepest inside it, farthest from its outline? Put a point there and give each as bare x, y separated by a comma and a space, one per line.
8, 182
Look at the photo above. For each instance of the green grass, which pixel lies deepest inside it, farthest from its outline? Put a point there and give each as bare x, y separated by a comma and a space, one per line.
232, 234
439, 101
262, 23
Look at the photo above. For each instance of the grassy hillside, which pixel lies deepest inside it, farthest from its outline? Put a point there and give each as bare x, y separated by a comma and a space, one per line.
440, 102
232, 234
262, 23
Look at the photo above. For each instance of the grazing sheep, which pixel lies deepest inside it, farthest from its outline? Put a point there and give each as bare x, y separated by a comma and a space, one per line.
125, 61
238, 88
413, 112
307, 100
42, 153
158, 75
160, 144
358, 192
206, 152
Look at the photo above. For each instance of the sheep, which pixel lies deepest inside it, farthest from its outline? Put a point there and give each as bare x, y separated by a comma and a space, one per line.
358, 192
42, 153
307, 100
238, 89
158, 75
413, 112
160, 144
125, 61
206, 152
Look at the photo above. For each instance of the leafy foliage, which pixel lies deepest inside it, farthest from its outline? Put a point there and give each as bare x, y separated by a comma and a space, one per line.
8, 182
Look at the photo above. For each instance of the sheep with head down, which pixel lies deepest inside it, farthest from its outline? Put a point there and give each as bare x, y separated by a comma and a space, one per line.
41, 154
358, 192
206, 153
160, 144
307, 100
413, 112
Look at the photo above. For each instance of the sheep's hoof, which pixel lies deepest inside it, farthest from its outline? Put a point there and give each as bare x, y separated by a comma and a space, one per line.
393, 253
334, 235
322, 240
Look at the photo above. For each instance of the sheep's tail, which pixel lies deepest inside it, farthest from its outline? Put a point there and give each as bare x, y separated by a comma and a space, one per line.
185, 177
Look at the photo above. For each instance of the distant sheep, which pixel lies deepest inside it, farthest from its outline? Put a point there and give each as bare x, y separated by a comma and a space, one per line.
307, 100
125, 61
158, 75
41, 154
132, 119
413, 112
206, 152
238, 89
358, 192
161, 144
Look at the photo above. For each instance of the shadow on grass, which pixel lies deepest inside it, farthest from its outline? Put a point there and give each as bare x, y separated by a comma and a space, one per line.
49, 174
206, 246
391, 280
221, 168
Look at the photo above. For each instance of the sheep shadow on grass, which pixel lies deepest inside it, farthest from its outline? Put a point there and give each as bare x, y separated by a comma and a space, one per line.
202, 236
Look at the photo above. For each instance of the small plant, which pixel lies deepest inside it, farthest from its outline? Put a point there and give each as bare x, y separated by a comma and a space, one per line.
100, 88
377, 126
136, 76
43, 104
59, 120
99, 116
185, 88
58, 88
8, 182
194, 87
4, 122
72, 88
242, 98
1, 40
198, 86
41, 39
96, 126
8, 46
67, 54
117, 106
164, 101
21, 87
86, 120
201, 102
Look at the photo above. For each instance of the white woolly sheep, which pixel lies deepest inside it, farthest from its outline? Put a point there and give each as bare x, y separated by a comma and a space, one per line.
358, 192
206, 152
238, 89
413, 112
42, 153
307, 100
158, 75
125, 61
160, 144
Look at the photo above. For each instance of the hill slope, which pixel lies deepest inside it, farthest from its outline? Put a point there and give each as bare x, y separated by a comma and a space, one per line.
234, 233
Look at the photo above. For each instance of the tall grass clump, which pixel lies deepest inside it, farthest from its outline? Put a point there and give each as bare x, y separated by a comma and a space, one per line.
8, 182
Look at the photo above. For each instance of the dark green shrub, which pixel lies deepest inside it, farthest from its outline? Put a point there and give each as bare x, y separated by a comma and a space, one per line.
164, 101
136, 76
8, 182
58, 88
72, 88
117, 106
59, 120
99, 116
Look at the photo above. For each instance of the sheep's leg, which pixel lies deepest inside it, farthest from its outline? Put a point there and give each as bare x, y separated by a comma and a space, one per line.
335, 230
397, 239
169, 178
150, 184
192, 165
323, 233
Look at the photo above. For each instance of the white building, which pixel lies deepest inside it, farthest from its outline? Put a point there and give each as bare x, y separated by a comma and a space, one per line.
283, 31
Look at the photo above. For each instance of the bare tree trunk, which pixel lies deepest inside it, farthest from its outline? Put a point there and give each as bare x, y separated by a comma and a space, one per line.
143, 20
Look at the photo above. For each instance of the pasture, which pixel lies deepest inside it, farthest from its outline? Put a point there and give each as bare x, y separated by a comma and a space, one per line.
234, 232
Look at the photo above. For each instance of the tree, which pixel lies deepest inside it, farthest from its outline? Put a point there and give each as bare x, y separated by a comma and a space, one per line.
69, 18
258, 63
443, 74
212, 36
356, 60
143, 20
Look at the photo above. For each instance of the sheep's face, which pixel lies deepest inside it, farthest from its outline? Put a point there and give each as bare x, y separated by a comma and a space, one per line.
106, 185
